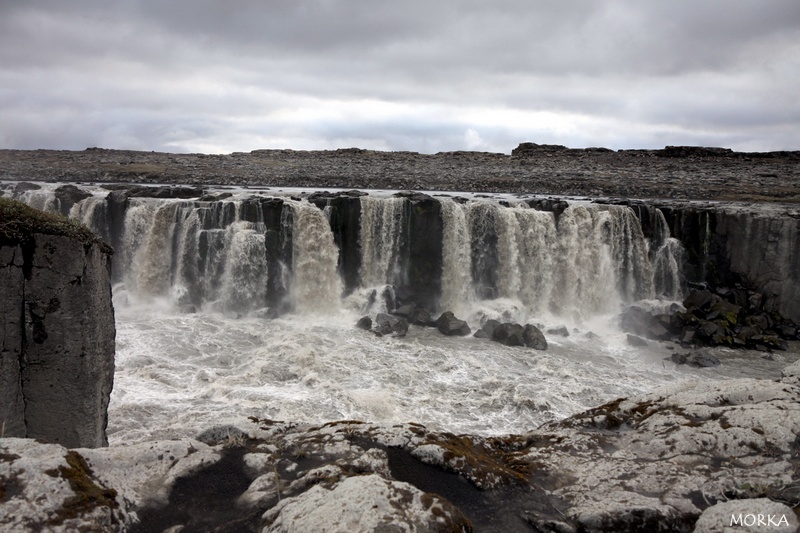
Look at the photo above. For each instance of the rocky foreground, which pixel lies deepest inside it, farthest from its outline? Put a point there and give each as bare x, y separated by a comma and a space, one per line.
713, 456
673, 172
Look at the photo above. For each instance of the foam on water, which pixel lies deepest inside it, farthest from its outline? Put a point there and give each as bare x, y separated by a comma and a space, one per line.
179, 373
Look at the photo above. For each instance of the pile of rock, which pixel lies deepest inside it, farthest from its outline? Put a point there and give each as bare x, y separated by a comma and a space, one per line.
396, 323
509, 333
512, 334
723, 317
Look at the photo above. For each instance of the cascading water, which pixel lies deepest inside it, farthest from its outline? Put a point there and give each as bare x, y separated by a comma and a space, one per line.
180, 371
316, 284
381, 239
667, 258
634, 275
456, 279
244, 277
536, 238
92, 213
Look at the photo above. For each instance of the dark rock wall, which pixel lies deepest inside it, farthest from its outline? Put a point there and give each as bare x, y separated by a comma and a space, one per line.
57, 356
729, 246
425, 233
765, 253
345, 220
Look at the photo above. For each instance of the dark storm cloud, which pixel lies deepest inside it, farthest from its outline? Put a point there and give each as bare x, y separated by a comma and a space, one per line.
212, 76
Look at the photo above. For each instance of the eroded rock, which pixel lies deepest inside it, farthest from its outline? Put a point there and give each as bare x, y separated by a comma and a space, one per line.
365, 504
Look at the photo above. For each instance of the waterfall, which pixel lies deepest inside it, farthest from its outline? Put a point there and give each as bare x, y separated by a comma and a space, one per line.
667, 260
634, 275
456, 265
381, 239
536, 238
152, 263
92, 213
584, 281
484, 253
244, 277
236, 255
316, 284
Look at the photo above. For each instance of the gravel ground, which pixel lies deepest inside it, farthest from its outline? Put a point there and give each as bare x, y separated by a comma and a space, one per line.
673, 172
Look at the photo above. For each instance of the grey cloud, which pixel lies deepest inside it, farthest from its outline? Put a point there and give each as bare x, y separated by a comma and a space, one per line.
400, 75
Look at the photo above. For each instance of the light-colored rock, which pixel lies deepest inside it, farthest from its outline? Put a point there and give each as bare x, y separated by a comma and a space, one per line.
144, 473
656, 461
755, 515
46, 487
791, 374
663, 457
364, 504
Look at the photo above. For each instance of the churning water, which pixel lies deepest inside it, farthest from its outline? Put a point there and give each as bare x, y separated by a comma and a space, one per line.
196, 344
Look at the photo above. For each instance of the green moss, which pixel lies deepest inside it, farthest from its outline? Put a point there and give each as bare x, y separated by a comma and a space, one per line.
88, 494
480, 462
19, 222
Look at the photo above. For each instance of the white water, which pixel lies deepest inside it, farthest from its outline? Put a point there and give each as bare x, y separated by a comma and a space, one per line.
316, 285
179, 372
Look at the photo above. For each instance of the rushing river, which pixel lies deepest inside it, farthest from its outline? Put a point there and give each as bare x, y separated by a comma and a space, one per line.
197, 345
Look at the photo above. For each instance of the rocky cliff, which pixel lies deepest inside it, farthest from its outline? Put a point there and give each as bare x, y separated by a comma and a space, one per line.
754, 245
57, 338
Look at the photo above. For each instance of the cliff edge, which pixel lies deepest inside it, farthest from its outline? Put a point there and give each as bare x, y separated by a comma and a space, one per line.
57, 337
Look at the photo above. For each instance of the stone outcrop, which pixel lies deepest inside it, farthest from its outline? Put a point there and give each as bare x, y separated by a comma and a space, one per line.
755, 247
448, 324
724, 317
675, 459
57, 347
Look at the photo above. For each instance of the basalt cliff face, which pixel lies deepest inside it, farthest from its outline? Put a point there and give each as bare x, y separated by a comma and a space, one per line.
57, 355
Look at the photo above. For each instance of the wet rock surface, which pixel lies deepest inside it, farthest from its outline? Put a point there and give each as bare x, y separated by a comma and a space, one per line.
686, 455
673, 172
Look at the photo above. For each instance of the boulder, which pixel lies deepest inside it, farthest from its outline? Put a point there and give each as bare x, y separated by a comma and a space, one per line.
487, 330
423, 318
385, 324
533, 337
23, 186
509, 334
364, 322
699, 299
695, 359
415, 314
365, 504
638, 321
69, 195
406, 310
752, 514
448, 324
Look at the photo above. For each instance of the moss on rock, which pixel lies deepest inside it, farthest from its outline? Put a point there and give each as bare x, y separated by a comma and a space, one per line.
19, 222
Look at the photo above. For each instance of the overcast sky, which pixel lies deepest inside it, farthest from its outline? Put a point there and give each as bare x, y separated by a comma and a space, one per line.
422, 75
